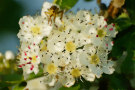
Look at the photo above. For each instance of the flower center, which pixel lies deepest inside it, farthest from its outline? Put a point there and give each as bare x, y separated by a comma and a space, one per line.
70, 46
94, 59
44, 47
101, 33
34, 58
75, 72
62, 28
51, 69
35, 30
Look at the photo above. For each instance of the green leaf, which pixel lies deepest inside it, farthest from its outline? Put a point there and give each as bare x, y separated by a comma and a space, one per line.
77, 87
65, 4
129, 5
123, 15
18, 87
123, 22
10, 79
118, 82
125, 41
133, 56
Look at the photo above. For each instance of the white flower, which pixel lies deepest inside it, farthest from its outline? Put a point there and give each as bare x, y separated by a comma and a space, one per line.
84, 16
63, 58
36, 84
29, 58
103, 35
9, 55
51, 71
111, 31
98, 21
96, 59
33, 29
76, 46
55, 41
107, 43
108, 67
74, 71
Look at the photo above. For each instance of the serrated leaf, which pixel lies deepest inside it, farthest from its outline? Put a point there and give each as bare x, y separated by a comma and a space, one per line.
65, 4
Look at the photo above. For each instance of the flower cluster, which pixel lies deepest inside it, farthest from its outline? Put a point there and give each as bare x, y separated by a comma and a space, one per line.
70, 47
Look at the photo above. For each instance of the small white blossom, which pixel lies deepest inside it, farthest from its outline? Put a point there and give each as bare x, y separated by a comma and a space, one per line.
29, 58
33, 29
36, 84
74, 71
9, 55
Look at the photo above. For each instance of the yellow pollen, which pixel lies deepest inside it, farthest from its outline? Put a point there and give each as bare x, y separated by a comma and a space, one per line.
62, 28
88, 37
71, 20
35, 30
90, 23
42, 41
101, 33
70, 46
44, 47
75, 72
94, 59
27, 57
51, 68
34, 59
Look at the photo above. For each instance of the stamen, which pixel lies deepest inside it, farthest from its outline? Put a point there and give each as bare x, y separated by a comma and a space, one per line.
25, 53
32, 66
113, 24
30, 58
20, 66
111, 29
25, 58
29, 47
28, 62
106, 26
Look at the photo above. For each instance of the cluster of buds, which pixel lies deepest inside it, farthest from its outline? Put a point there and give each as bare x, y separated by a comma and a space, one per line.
69, 46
